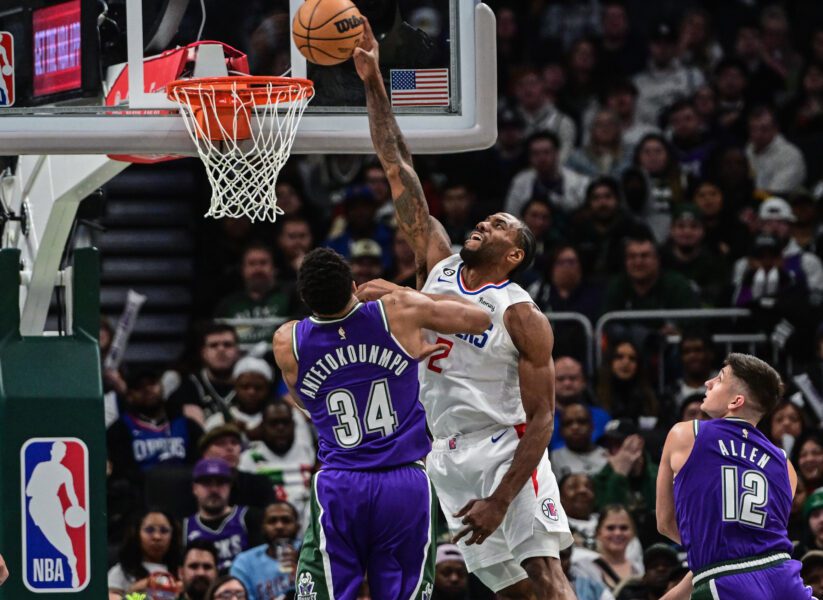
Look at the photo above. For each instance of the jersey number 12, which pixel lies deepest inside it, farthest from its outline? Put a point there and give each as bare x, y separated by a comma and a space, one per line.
380, 416
744, 507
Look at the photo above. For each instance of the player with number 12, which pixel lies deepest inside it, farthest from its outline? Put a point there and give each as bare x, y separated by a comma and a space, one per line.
724, 492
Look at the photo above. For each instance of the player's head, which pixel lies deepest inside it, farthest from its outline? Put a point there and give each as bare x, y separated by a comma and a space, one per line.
58, 451
325, 281
744, 386
500, 239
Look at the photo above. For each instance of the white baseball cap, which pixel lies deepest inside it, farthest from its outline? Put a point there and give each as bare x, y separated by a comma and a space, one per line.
250, 364
776, 209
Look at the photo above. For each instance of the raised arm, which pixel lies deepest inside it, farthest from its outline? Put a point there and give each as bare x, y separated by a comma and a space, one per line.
426, 235
532, 336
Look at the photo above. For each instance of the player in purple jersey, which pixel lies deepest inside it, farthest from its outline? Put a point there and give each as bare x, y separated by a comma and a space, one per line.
724, 491
353, 367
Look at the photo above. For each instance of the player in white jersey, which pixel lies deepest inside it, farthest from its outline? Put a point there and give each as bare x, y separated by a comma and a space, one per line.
489, 398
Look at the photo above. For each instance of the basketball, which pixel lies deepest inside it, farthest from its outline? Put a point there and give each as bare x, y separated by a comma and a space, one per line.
327, 31
7, 70
75, 517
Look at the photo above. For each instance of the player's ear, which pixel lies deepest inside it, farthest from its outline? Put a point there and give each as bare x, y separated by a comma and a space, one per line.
516, 256
353, 287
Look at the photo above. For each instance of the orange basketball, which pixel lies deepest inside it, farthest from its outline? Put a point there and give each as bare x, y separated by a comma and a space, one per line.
327, 31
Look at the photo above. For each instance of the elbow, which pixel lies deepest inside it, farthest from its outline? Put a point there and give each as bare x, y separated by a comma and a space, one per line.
481, 322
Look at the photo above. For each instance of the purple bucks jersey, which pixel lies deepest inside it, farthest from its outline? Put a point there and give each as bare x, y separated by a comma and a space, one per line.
361, 389
732, 498
230, 538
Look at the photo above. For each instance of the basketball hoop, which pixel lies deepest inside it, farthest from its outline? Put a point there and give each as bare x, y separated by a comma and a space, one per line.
243, 129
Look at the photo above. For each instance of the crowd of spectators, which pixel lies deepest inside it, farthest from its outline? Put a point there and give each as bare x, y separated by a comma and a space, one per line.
661, 164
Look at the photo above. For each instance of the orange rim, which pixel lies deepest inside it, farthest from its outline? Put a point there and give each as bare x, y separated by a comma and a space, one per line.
255, 89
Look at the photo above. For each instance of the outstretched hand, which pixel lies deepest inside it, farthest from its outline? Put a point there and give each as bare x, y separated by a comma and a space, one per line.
481, 518
366, 55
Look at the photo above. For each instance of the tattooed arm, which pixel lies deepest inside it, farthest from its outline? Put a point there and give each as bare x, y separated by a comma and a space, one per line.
425, 234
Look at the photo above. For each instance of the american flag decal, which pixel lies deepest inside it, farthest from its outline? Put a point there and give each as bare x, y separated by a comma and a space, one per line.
420, 87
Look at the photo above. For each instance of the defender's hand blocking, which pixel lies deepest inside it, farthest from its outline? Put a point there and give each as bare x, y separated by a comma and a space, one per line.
481, 517
367, 55
375, 289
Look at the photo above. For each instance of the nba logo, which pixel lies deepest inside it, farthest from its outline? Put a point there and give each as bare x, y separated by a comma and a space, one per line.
6, 69
54, 496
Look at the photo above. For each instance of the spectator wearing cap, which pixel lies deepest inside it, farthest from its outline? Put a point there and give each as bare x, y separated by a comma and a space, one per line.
629, 478
813, 525
540, 114
252, 388
665, 78
226, 443
286, 454
811, 571
644, 285
598, 235
686, 253
262, 296
775, 218
366, 260
659, 560
231, 528
777, 163
451, 578
564, 188
688, 136
360, 222
146, 435
604, 153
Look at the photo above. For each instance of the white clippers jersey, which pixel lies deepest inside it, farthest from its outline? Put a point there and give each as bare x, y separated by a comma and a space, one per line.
475, 384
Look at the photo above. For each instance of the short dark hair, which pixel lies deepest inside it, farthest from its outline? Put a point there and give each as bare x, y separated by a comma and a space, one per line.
203, 546
220, 581
528, 244
536, 200
761, 110
288, 505
324, 281
603, 181
762, 382
257, 246
543, 135
212, 328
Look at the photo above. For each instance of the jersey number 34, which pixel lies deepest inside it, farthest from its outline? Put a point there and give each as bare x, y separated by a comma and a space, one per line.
380, 415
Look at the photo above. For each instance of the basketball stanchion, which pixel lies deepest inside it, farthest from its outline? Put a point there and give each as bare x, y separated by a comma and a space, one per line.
243, 129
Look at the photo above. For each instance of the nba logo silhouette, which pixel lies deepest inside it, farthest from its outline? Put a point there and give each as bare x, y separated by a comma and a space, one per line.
54, 496
6, 69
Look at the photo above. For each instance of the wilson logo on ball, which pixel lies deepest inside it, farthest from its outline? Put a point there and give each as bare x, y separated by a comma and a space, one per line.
344, 25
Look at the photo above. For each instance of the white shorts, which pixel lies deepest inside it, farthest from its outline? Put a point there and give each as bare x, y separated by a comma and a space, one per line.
471, 466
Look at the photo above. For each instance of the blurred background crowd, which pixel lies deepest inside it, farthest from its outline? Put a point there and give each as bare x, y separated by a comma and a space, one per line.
666, 156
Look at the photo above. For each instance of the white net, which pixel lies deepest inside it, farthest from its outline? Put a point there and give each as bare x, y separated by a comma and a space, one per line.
243, 132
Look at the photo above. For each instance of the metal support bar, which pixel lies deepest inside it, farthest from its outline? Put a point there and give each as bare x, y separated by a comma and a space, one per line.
584, 322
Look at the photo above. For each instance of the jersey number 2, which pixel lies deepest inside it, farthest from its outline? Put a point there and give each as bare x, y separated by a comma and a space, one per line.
440, 355
380, 415
744, 507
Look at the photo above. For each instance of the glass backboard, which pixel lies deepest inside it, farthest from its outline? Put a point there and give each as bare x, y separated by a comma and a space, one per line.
67, 56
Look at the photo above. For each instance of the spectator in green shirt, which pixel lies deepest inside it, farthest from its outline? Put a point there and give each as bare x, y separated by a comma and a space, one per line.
262, 296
